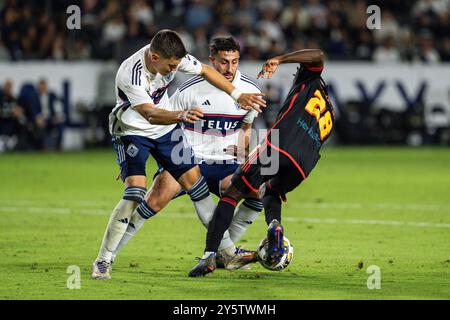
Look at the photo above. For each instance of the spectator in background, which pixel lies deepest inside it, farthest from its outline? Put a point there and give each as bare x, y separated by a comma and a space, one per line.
294, 19
58, 48
426, 52
390, 28
338, 46
36, 29
245, 14
4, 55
317, 14
142, 12
114, 29
201, 44
51, 118
270, 5
13, 123
364, 46
388, 52
445, 49
187, 39
199, 14
225, 13
79, 50
434, 6
272, 28
249, 43
45, 113
357, 15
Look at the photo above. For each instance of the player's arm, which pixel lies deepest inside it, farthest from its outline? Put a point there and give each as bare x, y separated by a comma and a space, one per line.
141, 102
309, 57
246, 100
156, 115
244, 141
243, 145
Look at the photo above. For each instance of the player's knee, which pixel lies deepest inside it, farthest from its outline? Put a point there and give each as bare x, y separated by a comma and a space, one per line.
233, 193
253, 204
145, 211
199, 190
156, 203
135, 194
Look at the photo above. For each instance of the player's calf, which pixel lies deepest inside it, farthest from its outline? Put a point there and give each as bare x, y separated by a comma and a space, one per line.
275, 233
117, 225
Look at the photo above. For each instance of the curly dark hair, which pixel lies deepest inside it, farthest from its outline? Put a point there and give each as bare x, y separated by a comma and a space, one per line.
223, 44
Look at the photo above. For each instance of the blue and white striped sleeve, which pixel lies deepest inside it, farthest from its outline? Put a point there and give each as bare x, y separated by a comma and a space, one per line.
130, 90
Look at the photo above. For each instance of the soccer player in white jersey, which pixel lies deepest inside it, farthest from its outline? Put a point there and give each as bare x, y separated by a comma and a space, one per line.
142, 124
218, 139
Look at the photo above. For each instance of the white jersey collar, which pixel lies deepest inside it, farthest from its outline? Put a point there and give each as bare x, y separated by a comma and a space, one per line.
149, 73
237, 77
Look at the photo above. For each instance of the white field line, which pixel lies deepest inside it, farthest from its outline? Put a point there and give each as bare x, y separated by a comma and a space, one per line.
178, 215
382, 206
291, 204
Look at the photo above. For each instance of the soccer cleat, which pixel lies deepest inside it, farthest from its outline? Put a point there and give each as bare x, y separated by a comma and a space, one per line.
275, 248
241, 259
101, 270
204, 266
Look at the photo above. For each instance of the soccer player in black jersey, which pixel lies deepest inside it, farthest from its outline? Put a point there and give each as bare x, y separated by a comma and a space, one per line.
303, 124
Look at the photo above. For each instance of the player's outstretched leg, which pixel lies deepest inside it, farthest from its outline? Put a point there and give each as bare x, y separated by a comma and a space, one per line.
223, 215
275, 239
117, 225
275, 231
229, 256
163, 189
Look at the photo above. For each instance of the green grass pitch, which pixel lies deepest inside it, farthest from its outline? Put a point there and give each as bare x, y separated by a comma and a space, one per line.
388, 207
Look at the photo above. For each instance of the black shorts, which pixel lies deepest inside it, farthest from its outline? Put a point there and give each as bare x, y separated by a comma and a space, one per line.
282, 172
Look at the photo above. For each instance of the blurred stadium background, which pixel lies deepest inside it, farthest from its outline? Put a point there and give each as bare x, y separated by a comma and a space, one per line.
389, 85
385, 205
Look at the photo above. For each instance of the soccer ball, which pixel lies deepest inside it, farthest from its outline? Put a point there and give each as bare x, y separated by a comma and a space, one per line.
285, 259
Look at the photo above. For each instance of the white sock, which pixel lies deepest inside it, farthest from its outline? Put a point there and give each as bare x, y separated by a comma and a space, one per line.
203, 202
205, 210
117, 226
244, 216
207, 253
136, 222
226, 242
205, 206
139, 216
227, 252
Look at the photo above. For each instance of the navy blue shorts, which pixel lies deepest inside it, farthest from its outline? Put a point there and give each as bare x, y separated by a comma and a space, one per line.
171, 150
213, 174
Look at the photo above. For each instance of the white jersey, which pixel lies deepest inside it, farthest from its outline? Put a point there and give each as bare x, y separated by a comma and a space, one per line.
136, 85
222, 119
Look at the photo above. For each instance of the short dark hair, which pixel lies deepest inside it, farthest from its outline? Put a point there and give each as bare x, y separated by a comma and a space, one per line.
168, 44
223, 44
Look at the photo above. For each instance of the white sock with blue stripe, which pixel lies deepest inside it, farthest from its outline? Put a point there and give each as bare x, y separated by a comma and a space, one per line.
139, 216
204, 205
118, 221
203, 202
244, 216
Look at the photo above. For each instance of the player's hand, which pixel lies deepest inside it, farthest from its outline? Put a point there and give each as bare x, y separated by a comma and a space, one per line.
236, 152
269, 67
231, 150
249, 101
191, 115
